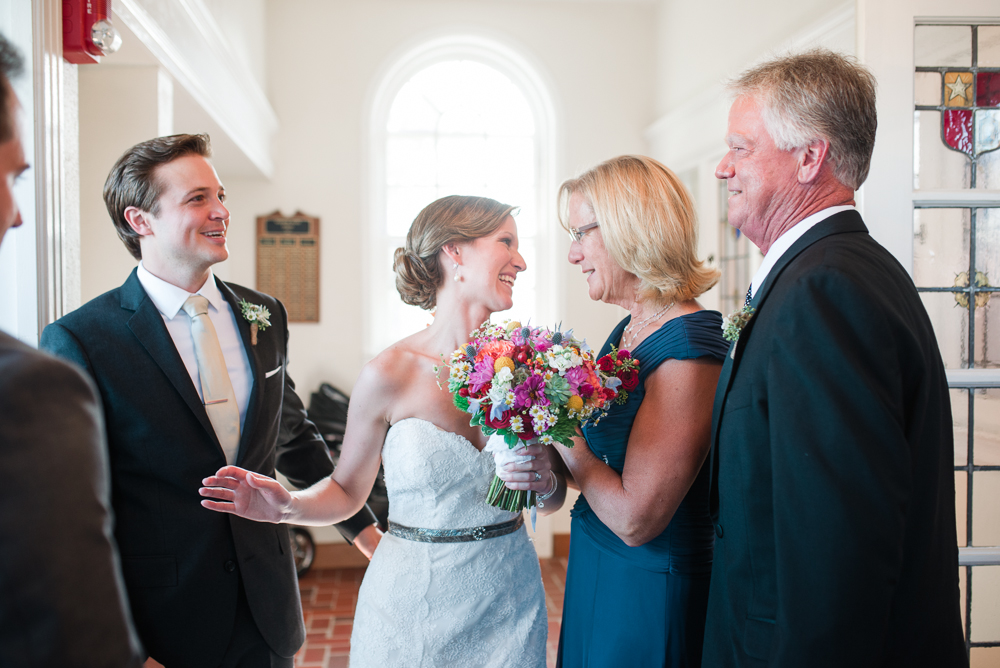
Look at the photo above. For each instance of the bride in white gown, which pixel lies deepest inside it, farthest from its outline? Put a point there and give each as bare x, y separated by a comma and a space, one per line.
454, 582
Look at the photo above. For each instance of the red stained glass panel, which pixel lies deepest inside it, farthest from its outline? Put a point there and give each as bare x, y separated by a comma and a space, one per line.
988, 89
958, 129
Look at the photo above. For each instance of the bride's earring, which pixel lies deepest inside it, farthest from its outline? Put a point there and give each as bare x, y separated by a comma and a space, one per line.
457, 275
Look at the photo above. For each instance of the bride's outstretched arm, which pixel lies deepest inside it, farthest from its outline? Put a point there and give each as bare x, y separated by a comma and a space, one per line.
258, 497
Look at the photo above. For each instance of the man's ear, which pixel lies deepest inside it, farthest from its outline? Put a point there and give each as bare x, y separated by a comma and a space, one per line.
812, 158
138, 221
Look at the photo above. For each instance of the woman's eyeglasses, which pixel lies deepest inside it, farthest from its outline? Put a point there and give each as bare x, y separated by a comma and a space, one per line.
576, 233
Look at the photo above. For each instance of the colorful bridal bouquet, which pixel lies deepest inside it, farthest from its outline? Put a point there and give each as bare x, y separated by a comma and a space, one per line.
527, 385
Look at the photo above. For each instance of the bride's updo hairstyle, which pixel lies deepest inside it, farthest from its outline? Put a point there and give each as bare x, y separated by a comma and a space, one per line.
454, 219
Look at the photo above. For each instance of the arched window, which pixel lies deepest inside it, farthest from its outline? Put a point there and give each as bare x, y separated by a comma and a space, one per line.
458, 116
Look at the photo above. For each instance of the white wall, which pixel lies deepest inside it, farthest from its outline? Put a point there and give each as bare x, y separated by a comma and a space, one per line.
700, 44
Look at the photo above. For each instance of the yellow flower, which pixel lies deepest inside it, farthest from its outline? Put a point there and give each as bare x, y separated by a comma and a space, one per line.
503, 362
575, 403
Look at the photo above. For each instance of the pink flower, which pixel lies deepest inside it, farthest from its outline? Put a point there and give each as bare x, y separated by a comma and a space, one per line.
481, 374
576, 376
541, 343
530, 393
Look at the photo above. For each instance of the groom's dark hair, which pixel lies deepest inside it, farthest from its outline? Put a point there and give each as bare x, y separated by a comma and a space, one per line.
133, 182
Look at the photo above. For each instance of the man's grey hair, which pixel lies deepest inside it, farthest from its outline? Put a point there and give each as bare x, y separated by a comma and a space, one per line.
817, 95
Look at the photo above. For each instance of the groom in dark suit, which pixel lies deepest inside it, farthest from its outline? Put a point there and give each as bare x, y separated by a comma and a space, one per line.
832, 486
192, 374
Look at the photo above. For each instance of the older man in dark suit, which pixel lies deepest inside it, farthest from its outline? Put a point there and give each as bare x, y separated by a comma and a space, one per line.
62, 602
832, 487
192, 373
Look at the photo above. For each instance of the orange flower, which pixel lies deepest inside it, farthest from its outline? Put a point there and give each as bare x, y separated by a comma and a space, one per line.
496, 349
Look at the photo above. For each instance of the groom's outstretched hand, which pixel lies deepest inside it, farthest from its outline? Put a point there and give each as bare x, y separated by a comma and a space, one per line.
247, 494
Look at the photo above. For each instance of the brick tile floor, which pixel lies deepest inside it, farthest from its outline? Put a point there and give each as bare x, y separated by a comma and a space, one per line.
329, 597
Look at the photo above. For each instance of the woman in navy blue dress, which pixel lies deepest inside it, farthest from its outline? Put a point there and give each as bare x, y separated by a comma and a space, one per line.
641, 537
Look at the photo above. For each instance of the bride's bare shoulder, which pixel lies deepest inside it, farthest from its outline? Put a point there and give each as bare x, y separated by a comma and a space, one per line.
395, 367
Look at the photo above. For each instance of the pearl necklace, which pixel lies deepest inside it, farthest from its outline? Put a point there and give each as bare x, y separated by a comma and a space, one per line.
633, 333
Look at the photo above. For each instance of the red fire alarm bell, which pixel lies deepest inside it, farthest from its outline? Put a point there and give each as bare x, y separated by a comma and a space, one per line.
87, 31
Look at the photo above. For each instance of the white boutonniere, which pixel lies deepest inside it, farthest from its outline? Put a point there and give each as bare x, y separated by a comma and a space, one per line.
734, 323
257, 316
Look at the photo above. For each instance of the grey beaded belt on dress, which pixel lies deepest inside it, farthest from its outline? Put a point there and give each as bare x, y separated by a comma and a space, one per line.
456, 535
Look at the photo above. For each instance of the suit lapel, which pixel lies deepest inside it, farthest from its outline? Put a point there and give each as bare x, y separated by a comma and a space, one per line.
147, 325
253, 355
845, 221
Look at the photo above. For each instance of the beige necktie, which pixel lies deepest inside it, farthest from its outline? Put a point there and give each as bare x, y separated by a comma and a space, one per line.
216, 388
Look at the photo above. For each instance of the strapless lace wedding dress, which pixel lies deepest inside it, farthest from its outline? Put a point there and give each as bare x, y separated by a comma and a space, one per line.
468, 604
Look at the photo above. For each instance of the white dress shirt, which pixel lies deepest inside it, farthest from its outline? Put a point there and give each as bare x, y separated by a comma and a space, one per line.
785, 241
169, 299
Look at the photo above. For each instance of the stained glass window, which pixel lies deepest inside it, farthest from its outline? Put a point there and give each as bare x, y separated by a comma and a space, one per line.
956, 264
957, 107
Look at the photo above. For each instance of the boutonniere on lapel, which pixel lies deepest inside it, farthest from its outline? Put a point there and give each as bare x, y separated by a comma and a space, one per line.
257, 316
734, 323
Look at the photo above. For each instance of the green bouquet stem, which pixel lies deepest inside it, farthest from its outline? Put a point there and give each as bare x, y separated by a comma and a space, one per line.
512, 500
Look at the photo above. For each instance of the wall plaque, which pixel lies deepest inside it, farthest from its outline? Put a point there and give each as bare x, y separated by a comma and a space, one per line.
288, 263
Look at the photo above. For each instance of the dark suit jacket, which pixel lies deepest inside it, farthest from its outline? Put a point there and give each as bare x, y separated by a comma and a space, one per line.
833, 486
62, 601
182, 562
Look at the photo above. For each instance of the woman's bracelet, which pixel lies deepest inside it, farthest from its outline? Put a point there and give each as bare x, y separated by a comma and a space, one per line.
555, 485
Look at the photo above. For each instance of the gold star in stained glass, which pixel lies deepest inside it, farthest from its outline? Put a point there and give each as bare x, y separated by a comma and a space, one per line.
958, 89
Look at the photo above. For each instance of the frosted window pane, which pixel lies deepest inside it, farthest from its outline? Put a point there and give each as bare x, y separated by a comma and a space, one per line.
960, 422
988, 245
402, 206
951, 326
987, 130
987, 443
987, 336
985, 522
412, 112
410, 161
989, 46
509, 160
935, 166
927, 88
527, 216
462, 162
942, 46
940, 246
983, 657
961, 504
988, 170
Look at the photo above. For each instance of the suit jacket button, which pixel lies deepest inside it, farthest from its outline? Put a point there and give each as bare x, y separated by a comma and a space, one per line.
718, 530
230, 566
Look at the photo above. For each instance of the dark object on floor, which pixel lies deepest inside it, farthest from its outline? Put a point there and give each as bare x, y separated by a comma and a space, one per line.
303, 549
